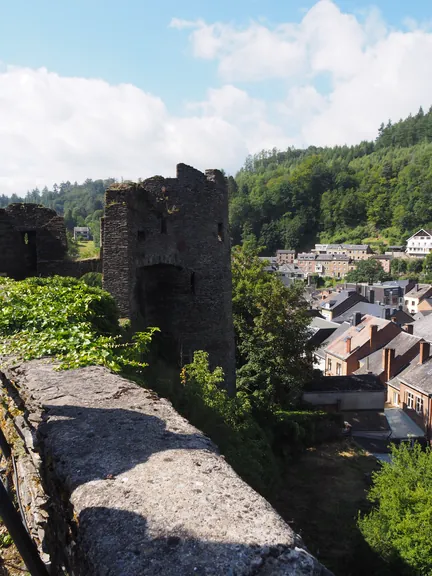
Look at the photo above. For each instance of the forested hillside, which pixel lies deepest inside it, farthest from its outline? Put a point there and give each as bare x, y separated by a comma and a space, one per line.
378, 192
80, 204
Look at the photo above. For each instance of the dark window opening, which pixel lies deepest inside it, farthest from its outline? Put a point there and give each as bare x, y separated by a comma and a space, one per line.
30, 250
141, 235
192, 281
163, 225
220, 232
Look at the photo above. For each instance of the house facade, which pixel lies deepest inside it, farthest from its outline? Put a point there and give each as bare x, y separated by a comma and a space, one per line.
365, 336
419, 244
415, 296
411, 390
285, 257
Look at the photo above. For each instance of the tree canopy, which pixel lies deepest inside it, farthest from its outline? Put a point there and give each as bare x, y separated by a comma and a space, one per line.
367, 271
399, 527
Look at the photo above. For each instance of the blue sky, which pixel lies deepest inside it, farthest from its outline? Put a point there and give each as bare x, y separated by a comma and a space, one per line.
131, 41
243, 74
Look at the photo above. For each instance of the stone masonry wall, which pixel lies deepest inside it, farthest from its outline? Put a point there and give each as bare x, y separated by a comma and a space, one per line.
167, 260
116, 483
30, 235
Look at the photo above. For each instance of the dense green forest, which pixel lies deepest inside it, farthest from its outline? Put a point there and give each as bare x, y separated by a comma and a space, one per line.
378, 192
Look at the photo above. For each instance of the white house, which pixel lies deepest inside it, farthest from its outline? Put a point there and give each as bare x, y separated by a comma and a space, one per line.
420, 244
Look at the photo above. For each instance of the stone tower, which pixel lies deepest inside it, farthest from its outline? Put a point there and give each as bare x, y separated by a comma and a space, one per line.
167, 261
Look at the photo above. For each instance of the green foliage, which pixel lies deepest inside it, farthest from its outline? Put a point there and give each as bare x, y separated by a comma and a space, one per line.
272, 333
93, 279
73, 246
66, 319
367, 271
382, 190
229, 422
400, 523
5, 540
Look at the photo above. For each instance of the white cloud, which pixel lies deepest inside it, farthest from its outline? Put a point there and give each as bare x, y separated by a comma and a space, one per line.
372, 72
54, 128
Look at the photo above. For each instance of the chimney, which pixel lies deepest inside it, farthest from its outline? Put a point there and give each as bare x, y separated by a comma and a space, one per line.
409, 328
348, 345
390, 363
372, 296
356, 318
373, 336
424, 352
394, 319
384, 359
417, 287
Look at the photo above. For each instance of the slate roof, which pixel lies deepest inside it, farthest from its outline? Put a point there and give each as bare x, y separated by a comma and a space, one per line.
395, 382
363, 308
352, 383
285, 251
292, 268
420, 293
327, 257
419, 376
402, 343
338, 332
359, 336
423, 328
336, 298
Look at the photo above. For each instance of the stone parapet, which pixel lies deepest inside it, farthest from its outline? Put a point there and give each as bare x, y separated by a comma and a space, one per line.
116, 483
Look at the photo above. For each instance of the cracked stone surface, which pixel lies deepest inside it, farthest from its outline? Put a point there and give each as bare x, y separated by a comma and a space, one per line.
150, 494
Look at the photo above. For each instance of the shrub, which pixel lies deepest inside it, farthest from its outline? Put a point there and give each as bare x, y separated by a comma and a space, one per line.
68, 320
229, 423
93, 279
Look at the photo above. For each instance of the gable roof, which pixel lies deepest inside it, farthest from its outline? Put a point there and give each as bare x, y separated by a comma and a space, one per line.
401, 344
336, 298
359, 335
419, 376
423, 328
285, 251
321, 352
419, 291
421, 232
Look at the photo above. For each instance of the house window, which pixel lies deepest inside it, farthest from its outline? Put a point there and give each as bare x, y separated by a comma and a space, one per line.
419, 404
338, 369
412, 302
410, 400
329, 365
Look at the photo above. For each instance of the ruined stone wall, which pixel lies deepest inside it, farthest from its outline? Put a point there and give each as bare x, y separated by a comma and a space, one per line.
114, 482
166, 260
30, 236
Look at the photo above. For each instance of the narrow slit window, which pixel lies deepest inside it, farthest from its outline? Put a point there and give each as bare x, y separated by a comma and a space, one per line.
163, 225
220, 231
192, 282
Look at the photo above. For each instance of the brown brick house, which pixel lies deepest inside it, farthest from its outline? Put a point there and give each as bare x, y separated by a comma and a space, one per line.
390, 360
368, 334
285, 257
411, 389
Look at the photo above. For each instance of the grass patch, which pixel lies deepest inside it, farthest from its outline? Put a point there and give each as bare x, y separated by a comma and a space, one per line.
87, 249
322, 494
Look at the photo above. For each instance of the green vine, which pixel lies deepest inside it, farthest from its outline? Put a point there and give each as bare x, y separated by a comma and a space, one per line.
65, 319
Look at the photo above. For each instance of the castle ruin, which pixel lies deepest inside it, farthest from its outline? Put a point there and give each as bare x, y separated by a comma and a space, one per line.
167, 260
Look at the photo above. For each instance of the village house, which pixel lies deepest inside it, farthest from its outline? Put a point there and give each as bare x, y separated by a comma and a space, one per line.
353, 251
390, 360
391, 293
306, 261
81, 233
411, 389
379, 310
419, 244
285, 257
364, 337
320, 353
383, 259
416, 295
332, 265
338, 302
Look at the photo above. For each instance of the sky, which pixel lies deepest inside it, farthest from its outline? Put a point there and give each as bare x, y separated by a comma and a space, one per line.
129, 88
